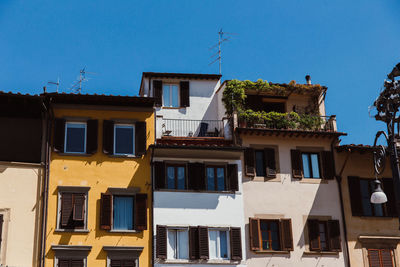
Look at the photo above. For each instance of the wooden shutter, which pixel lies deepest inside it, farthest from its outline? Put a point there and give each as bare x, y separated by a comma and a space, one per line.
270, 165
77, 263
108, 137
128, 263
334, 235
63, 263
105, 211
193, 243
59, 135
79, 207
386, 258
328, 165
236, 243
388, 188
159, 175
161, 242
1, 228
286, 234
249, 161
184, 94
140, 138
254, 234
297, 164
116, 263
313, 234
203, 243
196, 176
141, 212
92, 136
355, 195
157, 87
66, 208
233, 177
373, 258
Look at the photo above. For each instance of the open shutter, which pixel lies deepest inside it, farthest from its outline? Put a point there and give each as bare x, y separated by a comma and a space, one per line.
108, 137
249, 161
328, 165
79, 207
184, 94
92, 136
233, 177
59, 135
141, 212
254, 234
140, 138
388, 188
63, 263
1, 228
77, 263
66, 208
355, 195
269, 154
159, 175
286, 234
161, 242
203, 243
297, 164
157, 86
313, 234
334, 235
236, 243
373, 258
105, 211
193, 243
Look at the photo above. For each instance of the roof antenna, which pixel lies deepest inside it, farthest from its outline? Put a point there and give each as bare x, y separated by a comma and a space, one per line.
77, 86
221, 40
55, 83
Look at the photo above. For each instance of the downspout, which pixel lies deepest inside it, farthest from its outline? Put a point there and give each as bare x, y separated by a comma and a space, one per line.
152, 205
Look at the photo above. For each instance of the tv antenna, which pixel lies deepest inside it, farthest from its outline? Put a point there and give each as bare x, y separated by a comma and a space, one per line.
77, 86
218, 55
55, 83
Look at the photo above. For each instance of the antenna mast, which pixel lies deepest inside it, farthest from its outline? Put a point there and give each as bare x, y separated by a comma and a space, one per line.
56, 83
221, 40
77, 87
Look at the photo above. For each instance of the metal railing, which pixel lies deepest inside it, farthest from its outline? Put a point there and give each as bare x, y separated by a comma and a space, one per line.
192, 128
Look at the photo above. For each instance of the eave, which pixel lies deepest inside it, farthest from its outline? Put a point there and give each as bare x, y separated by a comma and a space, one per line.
289, 133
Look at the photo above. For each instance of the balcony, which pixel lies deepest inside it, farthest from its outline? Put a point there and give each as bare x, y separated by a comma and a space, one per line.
191, 128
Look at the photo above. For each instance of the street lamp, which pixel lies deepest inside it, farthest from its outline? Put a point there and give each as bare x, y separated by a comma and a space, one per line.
378, 196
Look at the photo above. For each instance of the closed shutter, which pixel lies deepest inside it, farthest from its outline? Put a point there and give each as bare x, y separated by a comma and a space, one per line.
79, 207
388, 188
334, 235
157, 87
196, 176
254, 234
328, 165
193, 243
159, 175
373, 258
203, 243
108, 137
128, 263
297, 164
59, 135
269, 154
161, 242
92, 136
249, 161
236, 243
77, 263
140, 138
286, 234
355, 195
63, 263
1, 228
233, 177
116, 263
141, 212
184, 94
66, 209
105, 211
386, 258
313, 234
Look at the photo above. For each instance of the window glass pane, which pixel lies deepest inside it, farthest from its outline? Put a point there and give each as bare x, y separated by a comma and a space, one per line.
365, 198
275, 236
213, 244
322, 236
181, 177
166, 96
171, 177
175, 96
210, 179
221, 179
75, 138
124, 139
306, 166
260, 167
223, 244
183, 245
123, 213
315, 165
171, 249
265, 235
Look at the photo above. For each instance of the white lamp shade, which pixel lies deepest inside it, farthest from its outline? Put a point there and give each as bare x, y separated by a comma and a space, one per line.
378, 197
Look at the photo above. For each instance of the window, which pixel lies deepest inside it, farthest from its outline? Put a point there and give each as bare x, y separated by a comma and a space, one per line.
122, 263
170, 95
380, 258
124, 139
311, 165
71, 263
260, 163
72, 208
123, 212
215, 178
75, 137
270, 235
324, 235
176, 176
71, 256
122, 256
218, 244
178, 244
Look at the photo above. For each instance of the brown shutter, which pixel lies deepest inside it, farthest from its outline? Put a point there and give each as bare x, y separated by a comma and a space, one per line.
334, 235
297, 164
79, 207
270, 165
196, 176
66, 208
355, 195
233, 177
1, 228
128, 263
108, 137
193, 243
157, 87
388, 188
328, 165
254, 234
159, 175
59, 135
184, 94
105, 211
77, 263
63, 263
236, 243
92, 136
286, 234
313, 234
141, 212
116, 263
386, 256
249, 161
203, 243
140, 138
373, 258
161, 242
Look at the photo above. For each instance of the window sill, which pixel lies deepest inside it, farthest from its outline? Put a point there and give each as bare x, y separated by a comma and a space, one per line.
125, 231
266, 179
173, 107
197, 191
320, 253
71, 231
124, 156
313, 181
74, 154
212, 261
272, 252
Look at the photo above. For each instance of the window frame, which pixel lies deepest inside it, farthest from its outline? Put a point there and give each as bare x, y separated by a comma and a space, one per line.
215, 166
310, 165
66, 137
228, 245
176, 229
124, 125
277, 221
123, 253
70, 252
176, 165
133, 196
169, 85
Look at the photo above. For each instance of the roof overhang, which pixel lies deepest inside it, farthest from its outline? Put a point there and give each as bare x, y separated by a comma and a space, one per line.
289, 133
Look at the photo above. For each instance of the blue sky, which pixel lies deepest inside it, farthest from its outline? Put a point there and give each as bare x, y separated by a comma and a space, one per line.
348, 46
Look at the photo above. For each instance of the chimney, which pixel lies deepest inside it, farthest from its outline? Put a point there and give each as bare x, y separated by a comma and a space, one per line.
308, 79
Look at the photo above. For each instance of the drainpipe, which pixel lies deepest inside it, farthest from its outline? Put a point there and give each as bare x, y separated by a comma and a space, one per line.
151, 208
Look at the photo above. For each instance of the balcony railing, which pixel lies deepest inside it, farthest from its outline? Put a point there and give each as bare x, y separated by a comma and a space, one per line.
192, 128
